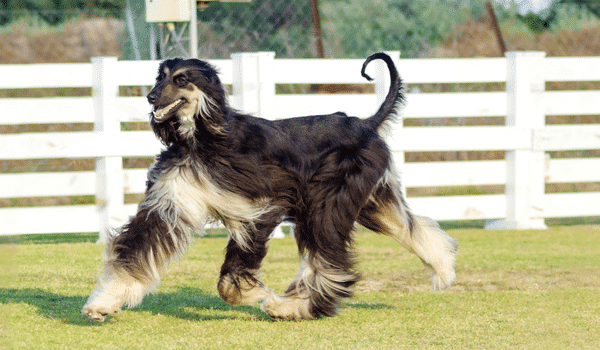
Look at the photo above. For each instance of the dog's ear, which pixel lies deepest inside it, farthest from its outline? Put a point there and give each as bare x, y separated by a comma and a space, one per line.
215, 109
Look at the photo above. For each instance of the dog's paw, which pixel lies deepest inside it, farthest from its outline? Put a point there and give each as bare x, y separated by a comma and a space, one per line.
286, 308
443, 281
98, 309
99, 313
240, 291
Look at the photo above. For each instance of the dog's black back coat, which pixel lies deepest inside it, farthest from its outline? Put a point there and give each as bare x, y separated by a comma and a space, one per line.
297, 145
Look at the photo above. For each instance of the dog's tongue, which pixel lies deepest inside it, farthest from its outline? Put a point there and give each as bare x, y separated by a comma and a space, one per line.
162, 114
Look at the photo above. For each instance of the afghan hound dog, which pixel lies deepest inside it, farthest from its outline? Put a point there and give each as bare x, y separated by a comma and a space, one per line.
323, 172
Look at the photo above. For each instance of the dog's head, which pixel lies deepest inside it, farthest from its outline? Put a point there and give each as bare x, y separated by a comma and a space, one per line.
188, 98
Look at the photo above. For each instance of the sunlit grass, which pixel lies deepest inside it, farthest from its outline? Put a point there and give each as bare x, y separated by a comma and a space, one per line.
514, 289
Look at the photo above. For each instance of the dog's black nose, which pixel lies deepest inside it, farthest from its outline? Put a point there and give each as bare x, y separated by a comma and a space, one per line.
152, 97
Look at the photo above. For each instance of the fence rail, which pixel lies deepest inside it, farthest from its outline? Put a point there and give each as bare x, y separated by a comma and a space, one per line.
253, 76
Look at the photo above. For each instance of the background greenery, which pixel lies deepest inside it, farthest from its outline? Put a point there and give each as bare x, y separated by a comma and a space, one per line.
351, 28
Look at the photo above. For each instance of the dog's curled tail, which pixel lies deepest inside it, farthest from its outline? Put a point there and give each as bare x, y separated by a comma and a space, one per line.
394, 98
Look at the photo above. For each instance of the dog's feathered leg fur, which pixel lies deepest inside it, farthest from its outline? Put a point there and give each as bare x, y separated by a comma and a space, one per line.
130, 271
160, 232
387, 213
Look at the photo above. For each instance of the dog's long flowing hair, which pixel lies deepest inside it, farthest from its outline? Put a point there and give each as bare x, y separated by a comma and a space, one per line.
322, 172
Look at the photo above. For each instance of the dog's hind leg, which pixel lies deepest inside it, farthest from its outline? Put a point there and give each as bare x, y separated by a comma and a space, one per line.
324, 226
387, 213
325, 277
327, 264
239, 282
317, 291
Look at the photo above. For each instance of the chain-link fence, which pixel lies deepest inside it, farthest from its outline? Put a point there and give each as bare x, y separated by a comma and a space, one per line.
282, 26
350, 29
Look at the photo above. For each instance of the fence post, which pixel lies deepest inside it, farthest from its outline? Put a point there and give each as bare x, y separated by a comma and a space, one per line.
254, 90
109, 170
253, 83
525, 168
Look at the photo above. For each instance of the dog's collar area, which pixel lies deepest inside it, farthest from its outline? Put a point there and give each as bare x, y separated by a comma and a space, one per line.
161, 114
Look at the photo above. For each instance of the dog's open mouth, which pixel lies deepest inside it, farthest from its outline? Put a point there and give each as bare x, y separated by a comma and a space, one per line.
163, 113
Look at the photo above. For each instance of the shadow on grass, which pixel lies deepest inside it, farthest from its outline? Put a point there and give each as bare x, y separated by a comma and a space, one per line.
187, 303
194, 304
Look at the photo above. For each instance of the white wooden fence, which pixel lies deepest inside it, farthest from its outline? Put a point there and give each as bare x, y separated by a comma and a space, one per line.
525, 137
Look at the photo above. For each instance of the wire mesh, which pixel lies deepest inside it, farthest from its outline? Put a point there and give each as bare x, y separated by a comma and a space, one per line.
350, 29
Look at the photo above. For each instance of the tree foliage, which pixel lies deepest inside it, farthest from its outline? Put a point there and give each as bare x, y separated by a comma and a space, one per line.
53, 11
358, 27
63, 4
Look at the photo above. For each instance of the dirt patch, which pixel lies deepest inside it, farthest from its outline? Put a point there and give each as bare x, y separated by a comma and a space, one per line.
477, 39
476, 280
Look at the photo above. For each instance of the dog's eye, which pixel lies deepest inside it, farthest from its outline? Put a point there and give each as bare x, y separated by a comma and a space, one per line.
180, 80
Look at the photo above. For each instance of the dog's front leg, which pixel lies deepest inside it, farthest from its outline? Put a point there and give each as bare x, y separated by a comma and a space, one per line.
239, 282
133, 262
159, 233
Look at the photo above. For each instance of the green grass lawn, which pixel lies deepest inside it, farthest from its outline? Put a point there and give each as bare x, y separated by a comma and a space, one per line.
514, 290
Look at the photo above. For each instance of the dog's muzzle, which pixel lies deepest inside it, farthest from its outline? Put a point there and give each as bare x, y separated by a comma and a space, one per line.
161, 114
